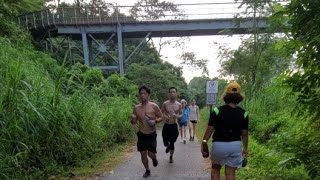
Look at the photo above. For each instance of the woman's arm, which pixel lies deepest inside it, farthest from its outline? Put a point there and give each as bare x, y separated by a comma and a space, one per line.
245, 138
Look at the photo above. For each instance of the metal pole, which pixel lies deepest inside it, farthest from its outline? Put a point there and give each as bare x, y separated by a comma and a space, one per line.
27, 22
50, 41
63, 18
138, 47
100, 15
85, 48
120, 49
69, 46
47, 12
90, 51
117, 13
42, 19
34, 21
75, 15
19, 21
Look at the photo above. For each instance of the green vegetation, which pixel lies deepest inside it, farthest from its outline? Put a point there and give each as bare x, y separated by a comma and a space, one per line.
281, 94
61, 118
52, 117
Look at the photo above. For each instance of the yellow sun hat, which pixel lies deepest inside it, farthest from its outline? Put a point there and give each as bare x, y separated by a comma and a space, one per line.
233, 87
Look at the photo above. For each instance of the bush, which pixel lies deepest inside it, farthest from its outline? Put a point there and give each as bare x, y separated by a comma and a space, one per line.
52, 119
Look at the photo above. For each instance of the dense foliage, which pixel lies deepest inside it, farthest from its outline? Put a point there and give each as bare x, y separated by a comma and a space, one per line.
52, 117
54, 114
280, 75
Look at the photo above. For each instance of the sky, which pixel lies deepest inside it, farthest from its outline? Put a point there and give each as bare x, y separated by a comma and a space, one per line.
204, 47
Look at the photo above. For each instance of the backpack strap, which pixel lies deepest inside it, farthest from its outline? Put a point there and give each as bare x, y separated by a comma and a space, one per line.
216, 110
245, 115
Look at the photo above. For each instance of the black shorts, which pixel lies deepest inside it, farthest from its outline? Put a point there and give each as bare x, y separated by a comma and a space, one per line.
183, 124
170, 133
194, 121
147, 142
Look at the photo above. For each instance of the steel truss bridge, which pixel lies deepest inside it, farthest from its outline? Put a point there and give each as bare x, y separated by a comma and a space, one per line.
101, 28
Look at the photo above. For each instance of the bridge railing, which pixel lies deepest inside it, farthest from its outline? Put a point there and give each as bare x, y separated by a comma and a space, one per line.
120, 14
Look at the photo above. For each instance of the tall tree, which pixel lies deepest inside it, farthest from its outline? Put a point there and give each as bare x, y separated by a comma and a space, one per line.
154, 9
190, 59
158, 79
305, 22
256, 9
241, 65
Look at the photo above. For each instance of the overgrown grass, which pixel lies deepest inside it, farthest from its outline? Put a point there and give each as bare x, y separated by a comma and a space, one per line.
101, 163
50, 121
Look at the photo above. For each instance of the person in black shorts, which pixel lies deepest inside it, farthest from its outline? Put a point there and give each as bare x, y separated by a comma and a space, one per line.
146, 114
194, 116
172, 110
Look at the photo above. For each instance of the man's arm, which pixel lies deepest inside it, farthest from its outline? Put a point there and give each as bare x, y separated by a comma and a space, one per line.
164, 112
159, 115
134, 116
180, 111
198, 113
245, 138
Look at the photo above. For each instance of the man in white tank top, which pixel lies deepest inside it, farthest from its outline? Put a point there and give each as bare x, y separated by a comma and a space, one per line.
194, 116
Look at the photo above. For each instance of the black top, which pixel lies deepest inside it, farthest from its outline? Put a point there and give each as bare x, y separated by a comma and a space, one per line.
228, 123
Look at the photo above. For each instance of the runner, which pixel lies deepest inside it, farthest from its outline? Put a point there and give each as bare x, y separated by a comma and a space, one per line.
194, 117
184, 120
171, 110
146, 114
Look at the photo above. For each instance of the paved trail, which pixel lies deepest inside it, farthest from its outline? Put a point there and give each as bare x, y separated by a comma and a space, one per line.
188, 164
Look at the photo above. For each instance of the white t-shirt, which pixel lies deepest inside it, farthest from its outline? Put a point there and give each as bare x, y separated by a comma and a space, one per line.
193, 114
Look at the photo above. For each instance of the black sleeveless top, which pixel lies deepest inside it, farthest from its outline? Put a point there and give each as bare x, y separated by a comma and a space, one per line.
228, 123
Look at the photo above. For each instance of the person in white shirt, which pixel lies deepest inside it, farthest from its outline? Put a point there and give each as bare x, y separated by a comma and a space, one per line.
194, 116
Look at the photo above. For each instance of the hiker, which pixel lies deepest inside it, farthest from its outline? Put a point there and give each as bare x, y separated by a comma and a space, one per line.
146, 114
184, 121
172, 110
194, 116
228, 125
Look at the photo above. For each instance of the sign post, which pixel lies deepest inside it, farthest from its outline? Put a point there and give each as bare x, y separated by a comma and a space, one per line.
211, 92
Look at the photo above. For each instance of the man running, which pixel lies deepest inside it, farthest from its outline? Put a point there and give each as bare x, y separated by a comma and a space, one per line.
146, 114
171, 110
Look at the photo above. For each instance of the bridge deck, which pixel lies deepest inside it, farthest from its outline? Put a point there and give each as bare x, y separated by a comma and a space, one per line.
195, 20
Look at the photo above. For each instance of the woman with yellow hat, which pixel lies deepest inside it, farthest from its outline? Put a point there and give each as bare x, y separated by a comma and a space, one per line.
228, 125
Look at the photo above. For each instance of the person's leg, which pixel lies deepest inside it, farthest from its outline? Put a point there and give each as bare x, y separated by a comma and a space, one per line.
230, 173
165, 137
215, 172
184, 133
153, 156
181, 133
171, 147
190, 129
194, 130
144, 159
